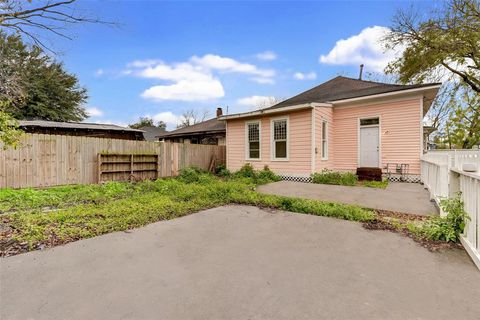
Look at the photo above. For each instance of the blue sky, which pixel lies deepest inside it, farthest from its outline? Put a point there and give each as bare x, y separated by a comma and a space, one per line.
167, 57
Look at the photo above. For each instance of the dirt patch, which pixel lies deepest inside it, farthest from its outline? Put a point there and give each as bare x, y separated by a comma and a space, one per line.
395, 221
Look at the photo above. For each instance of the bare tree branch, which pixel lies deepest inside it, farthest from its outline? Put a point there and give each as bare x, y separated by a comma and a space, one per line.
24, 17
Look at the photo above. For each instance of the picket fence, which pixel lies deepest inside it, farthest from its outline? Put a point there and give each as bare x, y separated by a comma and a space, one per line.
50, 160
443, 175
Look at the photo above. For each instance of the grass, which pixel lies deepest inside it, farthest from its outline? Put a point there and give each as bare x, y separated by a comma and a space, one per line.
37, 218
334, 177
88, 211
373, 184
345, 179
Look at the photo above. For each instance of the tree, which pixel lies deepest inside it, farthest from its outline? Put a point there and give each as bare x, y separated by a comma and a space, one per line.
462, 129
447, 42
191, 117
9, 132
27, 18
148, 122
43, 89
267, 102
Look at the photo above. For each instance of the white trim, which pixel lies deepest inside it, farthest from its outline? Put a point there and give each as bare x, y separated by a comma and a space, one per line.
379, 126
421, 128
226, 145
313, 156
276, 110
272, 142
325, 158
247, 144
387, 94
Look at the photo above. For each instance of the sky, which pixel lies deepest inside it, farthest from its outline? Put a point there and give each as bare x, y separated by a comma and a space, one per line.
162, 58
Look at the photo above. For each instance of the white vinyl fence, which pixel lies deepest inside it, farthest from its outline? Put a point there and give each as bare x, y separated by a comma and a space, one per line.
443, 176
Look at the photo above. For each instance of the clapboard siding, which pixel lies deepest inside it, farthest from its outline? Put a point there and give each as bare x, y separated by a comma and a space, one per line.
400, 133
321, 114
299, 162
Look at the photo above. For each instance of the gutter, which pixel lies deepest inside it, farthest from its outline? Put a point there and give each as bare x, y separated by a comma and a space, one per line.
275, 110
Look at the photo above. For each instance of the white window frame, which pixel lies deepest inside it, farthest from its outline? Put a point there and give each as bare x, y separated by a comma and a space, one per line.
247, 144
323, 154
272, 141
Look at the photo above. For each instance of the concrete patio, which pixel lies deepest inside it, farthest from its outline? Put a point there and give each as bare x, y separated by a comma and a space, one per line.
398, 197
239, 262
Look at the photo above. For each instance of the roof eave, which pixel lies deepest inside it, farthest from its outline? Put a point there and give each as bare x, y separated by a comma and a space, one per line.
275, 110
176, 135
386, 94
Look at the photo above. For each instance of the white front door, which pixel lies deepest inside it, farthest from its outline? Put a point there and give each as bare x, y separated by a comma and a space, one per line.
369, 147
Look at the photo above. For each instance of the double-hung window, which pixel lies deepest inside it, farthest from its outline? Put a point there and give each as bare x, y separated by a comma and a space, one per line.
253, 140
280, 139
324, 140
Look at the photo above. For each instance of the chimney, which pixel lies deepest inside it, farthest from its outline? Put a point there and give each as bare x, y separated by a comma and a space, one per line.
361, 71
219, 112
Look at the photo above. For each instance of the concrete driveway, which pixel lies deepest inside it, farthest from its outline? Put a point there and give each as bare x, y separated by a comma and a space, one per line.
238, 262
398, 197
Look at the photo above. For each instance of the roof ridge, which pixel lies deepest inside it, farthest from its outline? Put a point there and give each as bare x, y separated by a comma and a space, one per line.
370, 81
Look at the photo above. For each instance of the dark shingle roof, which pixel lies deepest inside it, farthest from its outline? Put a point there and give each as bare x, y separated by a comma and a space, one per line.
74, 125
152, 133
212, 125
340, 88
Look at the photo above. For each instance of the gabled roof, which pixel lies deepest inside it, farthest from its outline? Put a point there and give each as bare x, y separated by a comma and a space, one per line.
209, 126
152, 133
341, 88
74, 125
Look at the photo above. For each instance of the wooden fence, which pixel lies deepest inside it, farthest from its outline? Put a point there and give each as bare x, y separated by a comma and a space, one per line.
443, 176
50, 160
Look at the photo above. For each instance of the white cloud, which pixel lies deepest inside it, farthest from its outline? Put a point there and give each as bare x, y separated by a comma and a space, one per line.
186, 90
215, 62
94, 112
305, 76
115, 122
257, 101
266, 56
99, 72
193, 80
263, 80
171, 119
364, 47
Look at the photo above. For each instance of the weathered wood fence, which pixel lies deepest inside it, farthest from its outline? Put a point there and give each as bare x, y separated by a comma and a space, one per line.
443, 176
50, 160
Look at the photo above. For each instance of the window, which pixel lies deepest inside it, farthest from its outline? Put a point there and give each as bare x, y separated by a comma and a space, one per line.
280, 139
324, 140
369, 122
253, 140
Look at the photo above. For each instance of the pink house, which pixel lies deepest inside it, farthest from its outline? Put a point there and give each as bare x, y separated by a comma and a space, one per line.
341, 125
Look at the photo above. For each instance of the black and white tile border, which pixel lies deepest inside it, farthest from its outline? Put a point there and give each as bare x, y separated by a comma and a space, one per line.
287, 177
411, 178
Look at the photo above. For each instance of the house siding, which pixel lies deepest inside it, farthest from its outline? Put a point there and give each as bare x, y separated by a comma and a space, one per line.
299, 144
324, 113
400, 133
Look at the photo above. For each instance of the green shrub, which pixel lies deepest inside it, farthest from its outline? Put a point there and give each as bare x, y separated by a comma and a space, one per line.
334, 177
266, 175
222, 171
448, 228
247, 171
189, 175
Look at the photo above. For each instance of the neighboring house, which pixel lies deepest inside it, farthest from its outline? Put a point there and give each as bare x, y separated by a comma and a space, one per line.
207, 132
152, 133
81, 129
341, 124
